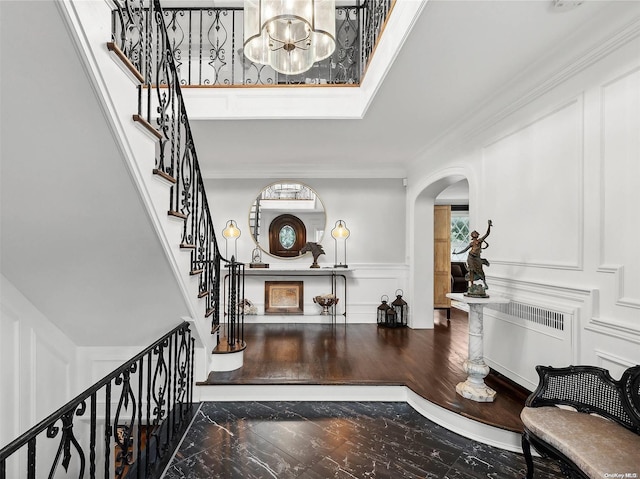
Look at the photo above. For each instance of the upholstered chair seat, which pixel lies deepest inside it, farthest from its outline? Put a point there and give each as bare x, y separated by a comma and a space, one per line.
596, 445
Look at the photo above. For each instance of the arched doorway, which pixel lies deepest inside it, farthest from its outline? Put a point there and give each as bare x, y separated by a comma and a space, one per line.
421, 244
451, 233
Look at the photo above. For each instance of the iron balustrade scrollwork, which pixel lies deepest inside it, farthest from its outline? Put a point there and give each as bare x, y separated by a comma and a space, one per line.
177, 157
207, 44
129, 32
375, 14
235, 301
140, 411
161, 105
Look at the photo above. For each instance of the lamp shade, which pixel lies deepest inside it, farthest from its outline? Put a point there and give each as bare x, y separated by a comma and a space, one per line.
340, 233
231, 231
289, 35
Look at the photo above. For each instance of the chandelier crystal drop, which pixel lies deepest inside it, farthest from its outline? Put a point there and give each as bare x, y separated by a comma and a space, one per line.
289, 35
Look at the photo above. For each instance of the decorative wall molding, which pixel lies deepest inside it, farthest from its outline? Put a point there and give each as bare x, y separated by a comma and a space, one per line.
366, 283
619, 279
50, 367
519, 128
379, 271
615, 329
36, 360
592, 56
357, 313
560, 296
10, 404
605, 357
475, 125
547, 265
567, 117
612, 162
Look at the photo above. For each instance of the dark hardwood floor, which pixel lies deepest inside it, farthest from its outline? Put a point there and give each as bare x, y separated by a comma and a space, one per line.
427, 361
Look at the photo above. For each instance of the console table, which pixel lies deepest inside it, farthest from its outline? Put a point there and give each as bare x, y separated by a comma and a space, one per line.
332, 273
474, 387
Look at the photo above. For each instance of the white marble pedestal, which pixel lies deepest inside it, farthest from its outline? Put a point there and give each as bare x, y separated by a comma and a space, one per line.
474, 387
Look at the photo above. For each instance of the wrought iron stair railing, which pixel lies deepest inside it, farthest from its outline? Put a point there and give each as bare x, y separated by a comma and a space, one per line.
206, 43
125, 425
140, 39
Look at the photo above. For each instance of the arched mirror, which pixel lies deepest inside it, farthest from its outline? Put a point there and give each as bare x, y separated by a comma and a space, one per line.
285, 216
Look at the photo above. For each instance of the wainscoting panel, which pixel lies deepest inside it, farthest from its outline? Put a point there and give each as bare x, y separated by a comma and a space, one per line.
36, 362
620, 165
366, 283
540, 325
613, 363
52, 373
9, 375
540, 152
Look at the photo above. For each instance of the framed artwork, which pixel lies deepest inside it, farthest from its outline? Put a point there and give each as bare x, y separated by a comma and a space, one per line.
283, 297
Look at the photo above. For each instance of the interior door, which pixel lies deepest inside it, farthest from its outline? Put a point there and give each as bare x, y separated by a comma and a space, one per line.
287, 236
442, 256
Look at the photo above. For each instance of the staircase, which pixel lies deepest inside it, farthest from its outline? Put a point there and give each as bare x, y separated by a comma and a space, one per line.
140, 41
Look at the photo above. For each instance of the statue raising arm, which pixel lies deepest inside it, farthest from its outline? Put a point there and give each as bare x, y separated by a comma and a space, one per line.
490, 224
475, 245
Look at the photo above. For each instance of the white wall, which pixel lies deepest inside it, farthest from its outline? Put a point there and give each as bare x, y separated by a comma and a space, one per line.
37, 364
558, 175
374, 211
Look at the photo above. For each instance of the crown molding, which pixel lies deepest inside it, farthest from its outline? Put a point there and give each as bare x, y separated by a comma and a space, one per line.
477, 122
277, 174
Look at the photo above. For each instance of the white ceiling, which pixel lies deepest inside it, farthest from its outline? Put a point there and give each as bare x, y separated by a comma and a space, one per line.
462, 60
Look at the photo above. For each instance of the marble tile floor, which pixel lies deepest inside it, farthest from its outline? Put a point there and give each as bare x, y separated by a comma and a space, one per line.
322, 440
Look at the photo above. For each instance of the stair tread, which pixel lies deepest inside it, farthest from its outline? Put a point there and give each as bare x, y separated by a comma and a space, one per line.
177, 214
113, 48
164, 175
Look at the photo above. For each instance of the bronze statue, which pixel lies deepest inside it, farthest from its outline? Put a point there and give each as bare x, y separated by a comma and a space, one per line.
475, 262
316, 250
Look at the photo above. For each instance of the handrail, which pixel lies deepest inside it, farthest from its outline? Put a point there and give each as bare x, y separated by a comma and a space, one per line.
177, 157
207, 45
158, 410
140, 33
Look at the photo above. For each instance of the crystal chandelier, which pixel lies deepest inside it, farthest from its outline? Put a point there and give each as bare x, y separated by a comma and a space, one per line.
289, 35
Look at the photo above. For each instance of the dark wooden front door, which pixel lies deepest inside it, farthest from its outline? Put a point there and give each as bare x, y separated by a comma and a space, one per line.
287, 236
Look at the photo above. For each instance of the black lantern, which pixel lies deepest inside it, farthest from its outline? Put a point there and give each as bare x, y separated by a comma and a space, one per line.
392, 319
383, 309
401, 309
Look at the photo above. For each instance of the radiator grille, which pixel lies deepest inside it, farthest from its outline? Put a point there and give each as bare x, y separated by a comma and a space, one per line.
536, 314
